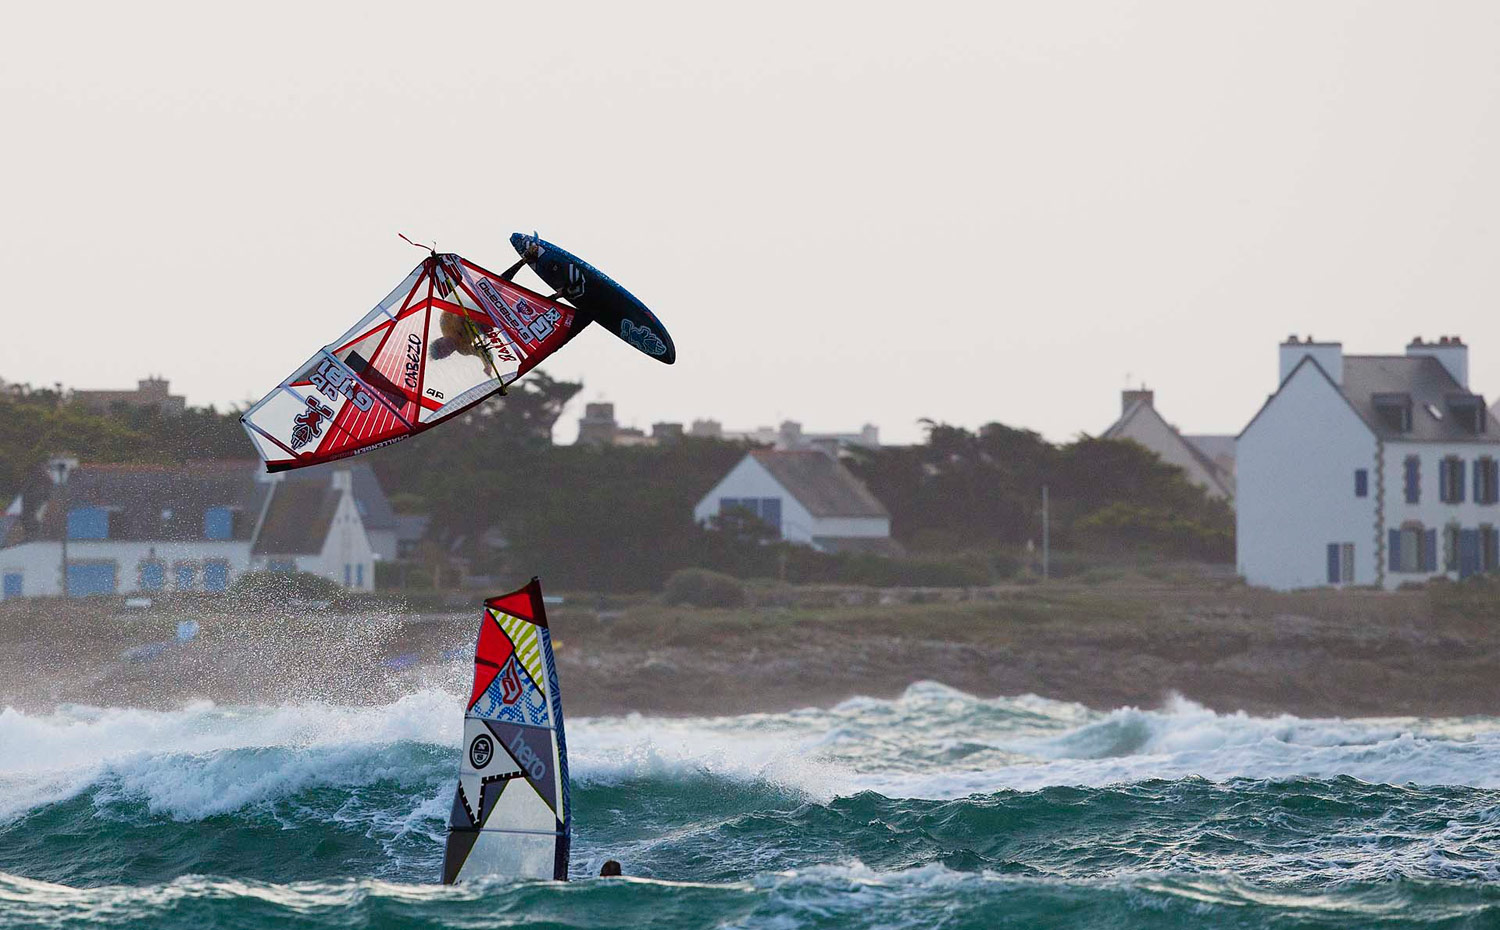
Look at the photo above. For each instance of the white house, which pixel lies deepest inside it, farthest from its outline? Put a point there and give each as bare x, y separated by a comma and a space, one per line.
1368, 470
807, 496
1207, 461
315, 527
150, 528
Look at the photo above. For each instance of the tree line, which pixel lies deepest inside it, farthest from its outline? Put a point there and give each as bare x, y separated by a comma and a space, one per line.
964, 503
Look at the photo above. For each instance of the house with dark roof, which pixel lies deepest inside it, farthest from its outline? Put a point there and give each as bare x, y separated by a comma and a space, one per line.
1207, 461
374, 507
807, 496
195, 527
1368, 470
315, 526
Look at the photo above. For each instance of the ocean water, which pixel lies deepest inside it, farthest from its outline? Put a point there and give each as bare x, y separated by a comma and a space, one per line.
936, 809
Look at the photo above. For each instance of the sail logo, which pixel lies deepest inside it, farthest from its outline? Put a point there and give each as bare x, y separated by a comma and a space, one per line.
497, 304
481, 751
332, 378
308, 425
413, 359
510, 684
527, 759
642, 338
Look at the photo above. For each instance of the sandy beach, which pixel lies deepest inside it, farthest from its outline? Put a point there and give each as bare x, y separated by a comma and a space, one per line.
1324, 653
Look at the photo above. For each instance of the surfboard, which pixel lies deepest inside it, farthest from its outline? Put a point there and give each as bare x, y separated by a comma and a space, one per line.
511, 814
598, 296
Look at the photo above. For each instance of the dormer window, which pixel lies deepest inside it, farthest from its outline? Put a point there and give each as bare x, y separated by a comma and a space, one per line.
1468, 412
1394, 411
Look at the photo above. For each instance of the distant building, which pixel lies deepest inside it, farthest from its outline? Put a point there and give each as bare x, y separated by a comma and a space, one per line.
1213, 471
315, 527
807, 497
1369, 470
369, 499
597, 426
149, 392
706, 429
197, 527
666, 432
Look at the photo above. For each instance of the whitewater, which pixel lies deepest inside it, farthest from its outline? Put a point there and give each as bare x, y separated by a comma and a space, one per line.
934, 809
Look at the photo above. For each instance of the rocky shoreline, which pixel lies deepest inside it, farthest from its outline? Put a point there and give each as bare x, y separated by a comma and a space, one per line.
1330, 653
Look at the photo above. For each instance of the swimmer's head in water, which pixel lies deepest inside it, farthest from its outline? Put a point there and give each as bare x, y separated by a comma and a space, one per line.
610, 869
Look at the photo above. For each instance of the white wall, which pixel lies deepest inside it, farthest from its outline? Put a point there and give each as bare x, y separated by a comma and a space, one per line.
38, 562
750, 479
347, 543
1430, 510
1150, 430
1295, 468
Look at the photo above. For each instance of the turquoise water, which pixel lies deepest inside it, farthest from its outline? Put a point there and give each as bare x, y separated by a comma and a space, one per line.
937, 809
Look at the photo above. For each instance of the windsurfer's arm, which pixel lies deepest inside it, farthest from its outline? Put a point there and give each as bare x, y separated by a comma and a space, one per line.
531, 252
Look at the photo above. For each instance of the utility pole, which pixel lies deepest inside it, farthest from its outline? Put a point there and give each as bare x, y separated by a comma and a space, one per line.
62, 481
1046, 535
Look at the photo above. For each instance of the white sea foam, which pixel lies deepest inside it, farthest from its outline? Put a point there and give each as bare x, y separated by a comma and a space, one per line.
932, 742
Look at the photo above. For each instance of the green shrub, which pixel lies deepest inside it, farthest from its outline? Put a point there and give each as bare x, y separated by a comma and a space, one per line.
273, 587
699, 587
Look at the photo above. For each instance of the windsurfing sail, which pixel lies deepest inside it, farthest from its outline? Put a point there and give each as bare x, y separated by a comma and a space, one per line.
511, 814
449, 335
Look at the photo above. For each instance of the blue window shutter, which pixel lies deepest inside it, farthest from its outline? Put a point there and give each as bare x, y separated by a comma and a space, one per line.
1333, 563
346, 574
1443, 494
218, 523
1413, 480
1429, 554
1468, 552
770, 512
359, 575
12, 585
1393, 550
153, 575
1478, 481
1361, 482
1458, 492
215, 575
88, 523
727, 504
1494, 492
1494, 548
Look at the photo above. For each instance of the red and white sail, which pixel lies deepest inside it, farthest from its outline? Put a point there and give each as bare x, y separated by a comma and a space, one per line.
449, 335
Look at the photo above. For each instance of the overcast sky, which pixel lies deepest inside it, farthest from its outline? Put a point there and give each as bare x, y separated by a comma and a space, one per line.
863, 213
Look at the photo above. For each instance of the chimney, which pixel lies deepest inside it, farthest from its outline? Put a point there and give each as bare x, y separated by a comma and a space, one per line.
1450, 351
1328, 355
1129, 396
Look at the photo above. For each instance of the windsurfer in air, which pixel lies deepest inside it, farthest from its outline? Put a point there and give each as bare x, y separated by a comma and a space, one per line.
462, 334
